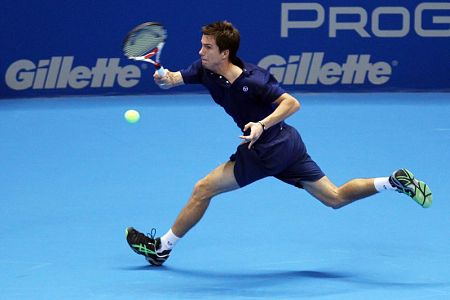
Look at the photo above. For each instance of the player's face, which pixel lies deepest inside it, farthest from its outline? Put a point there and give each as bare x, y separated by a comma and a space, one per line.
210, 54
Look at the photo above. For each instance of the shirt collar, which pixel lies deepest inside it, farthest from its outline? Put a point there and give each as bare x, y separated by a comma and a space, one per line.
246, 70
238, 62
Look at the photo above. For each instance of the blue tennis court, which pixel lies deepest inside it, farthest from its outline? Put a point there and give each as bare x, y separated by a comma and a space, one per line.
75, 175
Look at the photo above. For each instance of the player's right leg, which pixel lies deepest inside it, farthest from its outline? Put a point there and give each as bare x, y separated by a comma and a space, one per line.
219, 181
155, 250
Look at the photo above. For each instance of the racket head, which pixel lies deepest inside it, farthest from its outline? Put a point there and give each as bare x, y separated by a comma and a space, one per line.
146, 39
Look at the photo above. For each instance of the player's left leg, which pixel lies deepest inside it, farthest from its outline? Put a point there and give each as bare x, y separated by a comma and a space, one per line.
336, 197
402, 181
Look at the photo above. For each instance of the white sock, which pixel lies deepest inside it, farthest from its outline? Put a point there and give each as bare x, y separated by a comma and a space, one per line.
383, 184
168, 241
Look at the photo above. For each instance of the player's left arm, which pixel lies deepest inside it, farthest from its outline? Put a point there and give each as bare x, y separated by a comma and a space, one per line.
286, 106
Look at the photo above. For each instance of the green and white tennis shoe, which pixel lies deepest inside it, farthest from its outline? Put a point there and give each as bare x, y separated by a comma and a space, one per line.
418, 190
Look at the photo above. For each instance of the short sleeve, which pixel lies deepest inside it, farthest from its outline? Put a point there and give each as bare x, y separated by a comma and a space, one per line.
271, 90
193, 73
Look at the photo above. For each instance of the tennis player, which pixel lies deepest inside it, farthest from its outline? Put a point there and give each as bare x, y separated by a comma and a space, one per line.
271, 147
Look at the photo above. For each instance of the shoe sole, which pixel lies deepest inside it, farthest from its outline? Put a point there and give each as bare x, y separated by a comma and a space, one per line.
423, 195
153, 262
427, 195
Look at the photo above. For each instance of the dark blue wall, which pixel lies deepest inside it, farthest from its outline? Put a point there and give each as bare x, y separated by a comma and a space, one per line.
51, 48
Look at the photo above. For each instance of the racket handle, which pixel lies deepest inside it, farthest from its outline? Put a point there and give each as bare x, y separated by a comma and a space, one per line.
161, 71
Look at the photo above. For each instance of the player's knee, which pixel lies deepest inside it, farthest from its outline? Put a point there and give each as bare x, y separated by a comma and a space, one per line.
333, 200
335, 205
331, 204
202, 190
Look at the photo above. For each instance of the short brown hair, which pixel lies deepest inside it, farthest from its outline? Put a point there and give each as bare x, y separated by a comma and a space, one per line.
227, 36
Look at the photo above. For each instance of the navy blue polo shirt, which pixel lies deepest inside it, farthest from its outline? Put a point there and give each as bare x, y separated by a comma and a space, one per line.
248, 99
279, 151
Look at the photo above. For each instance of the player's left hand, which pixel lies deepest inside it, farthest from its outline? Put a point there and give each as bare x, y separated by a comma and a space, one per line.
256, 130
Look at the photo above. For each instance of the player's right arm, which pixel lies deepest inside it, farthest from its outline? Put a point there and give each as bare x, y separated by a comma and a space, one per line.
171, 79
191, 75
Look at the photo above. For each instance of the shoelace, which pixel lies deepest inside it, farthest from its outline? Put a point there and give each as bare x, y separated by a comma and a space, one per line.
404, 187
152, 233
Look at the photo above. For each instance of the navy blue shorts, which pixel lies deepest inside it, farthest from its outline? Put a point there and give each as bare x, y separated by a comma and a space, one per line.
284, 156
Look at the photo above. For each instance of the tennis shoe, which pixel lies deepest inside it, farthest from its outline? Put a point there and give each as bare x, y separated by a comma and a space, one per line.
403, 180
147, 245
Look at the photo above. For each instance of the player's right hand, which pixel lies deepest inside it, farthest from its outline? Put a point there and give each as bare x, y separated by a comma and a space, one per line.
162, 82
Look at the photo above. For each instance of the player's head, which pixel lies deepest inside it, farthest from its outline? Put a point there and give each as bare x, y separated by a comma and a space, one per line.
226, 36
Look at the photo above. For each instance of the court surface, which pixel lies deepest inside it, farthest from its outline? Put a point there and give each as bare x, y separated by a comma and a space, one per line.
74, 175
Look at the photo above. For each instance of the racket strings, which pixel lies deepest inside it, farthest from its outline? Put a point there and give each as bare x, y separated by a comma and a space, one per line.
143, 41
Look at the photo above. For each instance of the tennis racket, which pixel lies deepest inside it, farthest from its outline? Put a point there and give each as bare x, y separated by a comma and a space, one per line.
144, 43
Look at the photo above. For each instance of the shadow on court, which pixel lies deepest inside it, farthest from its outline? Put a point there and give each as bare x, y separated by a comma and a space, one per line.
268, 284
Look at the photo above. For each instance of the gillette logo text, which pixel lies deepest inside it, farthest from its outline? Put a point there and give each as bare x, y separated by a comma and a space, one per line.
59, 73
311, 68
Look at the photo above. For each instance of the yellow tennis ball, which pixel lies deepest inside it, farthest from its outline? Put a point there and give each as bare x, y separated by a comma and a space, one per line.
132, 116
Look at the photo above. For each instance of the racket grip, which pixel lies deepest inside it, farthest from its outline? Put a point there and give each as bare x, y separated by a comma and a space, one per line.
161, 71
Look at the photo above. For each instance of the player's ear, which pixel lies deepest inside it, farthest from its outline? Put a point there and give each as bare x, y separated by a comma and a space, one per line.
225, 53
